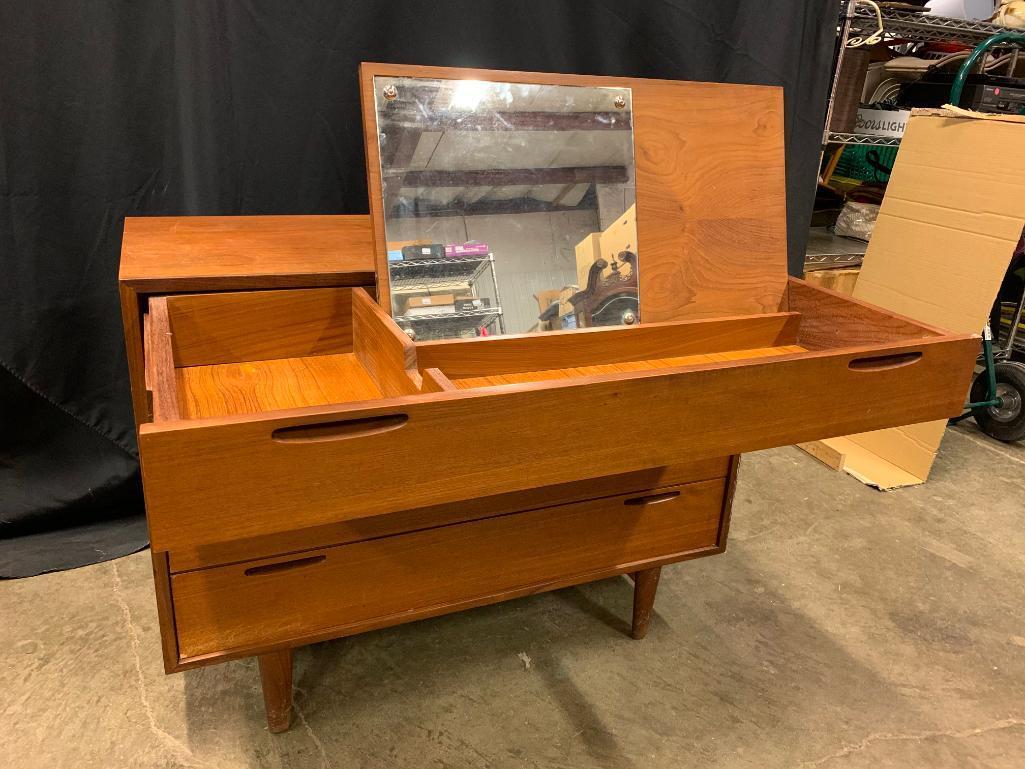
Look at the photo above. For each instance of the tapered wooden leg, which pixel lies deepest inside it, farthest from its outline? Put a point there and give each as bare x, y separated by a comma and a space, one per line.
276, 677
645, 585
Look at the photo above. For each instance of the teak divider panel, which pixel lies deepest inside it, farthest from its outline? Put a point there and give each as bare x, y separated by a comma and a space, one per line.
160, 361
383, 349
830, 319
258, 325
512, 353
711, 201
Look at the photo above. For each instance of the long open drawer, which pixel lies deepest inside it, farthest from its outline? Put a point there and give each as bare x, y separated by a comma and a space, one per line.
280, 410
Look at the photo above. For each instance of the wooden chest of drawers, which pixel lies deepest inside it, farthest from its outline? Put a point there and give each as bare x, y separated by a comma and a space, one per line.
311, 472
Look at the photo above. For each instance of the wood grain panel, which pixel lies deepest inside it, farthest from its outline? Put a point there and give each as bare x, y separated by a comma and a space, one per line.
194, 253
830, 319
711, 202
254, 387
295, 541
132, 322
215, 480
160, 362
382, 348
513, 353
256, 325
615, 368
333, 591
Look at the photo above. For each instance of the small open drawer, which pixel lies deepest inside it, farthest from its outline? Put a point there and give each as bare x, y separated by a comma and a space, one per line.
278, 410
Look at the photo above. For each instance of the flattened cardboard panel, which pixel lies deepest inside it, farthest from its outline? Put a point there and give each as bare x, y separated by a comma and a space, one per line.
952, 216
867, 466
711, 196
911, 448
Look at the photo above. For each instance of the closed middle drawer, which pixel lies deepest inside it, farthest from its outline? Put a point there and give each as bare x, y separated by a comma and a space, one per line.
341, 590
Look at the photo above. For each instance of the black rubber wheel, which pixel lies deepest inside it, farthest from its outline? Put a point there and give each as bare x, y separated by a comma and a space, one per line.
1006, 422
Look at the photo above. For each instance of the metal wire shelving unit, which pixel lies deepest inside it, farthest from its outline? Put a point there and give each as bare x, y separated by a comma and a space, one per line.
437, 275
859, 20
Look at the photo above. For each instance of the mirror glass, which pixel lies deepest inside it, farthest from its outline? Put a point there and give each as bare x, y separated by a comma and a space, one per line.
509, 208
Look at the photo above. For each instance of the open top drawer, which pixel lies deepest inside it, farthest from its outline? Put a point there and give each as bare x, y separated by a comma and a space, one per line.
279, 410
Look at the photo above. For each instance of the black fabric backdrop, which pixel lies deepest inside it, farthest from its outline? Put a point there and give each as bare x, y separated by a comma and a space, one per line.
110, 109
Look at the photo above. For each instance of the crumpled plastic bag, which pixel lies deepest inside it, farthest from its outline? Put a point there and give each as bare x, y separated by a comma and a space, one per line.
856, 220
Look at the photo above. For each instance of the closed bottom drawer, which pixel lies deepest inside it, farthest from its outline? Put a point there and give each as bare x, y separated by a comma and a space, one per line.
319, 594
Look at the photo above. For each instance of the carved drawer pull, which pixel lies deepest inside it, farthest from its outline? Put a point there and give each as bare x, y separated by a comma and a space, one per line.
341, 430
884, 362
273, 568
652, 499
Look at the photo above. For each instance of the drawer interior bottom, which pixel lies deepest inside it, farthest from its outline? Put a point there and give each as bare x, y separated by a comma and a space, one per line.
254, 386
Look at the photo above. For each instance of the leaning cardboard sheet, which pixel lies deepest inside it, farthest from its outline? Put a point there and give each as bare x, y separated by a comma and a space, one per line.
952, 216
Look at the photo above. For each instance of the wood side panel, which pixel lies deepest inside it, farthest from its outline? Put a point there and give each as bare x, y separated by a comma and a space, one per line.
212, 253
295, 541
160, 362
260, 603
257, 325
386, 353
131, 319
511, 353
220, 479
830, 319
711, 201
165, 610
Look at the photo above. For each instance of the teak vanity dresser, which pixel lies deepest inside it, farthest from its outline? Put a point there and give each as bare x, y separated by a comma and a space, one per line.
326, 451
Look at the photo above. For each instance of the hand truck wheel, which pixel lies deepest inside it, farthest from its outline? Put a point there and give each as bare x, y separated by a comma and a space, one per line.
1005, 422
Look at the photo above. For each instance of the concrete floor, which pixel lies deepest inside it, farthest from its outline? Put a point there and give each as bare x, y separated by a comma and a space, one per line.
843, 628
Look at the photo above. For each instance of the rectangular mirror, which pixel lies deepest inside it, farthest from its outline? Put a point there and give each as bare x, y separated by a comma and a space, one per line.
508, 207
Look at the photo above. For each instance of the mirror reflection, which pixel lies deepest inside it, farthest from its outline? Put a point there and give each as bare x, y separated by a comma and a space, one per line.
509, 208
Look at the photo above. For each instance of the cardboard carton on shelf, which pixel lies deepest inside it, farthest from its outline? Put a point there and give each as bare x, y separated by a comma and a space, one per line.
621, 235
463, 250
588, 250
952, 215
430, 305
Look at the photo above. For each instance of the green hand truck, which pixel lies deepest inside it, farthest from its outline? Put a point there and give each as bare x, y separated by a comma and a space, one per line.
997, 396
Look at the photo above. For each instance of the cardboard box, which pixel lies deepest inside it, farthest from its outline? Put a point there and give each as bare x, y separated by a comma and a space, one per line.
944, 237
545, 298
457, 250
621, 235
588, 250
842, 280
428, 305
